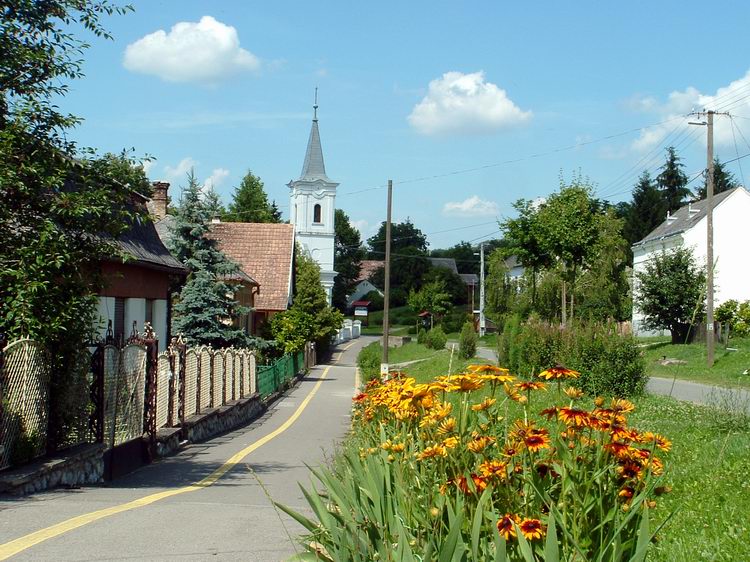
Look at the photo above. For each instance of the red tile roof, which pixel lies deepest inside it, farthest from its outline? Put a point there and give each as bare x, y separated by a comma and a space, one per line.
369, 267
263, 251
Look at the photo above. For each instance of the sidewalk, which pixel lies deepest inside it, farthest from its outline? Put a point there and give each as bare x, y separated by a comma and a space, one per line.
736, 399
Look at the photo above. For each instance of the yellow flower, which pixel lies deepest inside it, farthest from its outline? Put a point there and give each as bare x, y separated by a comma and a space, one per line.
531, 529
431, 452
397, 448
479, 444
387, 445
573, 392
624, 406
494, 469
450, 442
527, 386
447, 426
559, 372
484, 404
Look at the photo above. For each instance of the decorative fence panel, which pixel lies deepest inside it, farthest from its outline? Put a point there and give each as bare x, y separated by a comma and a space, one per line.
206, 377
164, 374
218, 383
228, 375
239, 389
191, 381
124, 387
25, 395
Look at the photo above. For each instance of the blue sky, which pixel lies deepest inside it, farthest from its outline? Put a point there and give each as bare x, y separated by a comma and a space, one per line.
418, 89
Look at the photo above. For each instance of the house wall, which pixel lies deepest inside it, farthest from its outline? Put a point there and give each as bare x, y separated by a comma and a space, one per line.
133, 281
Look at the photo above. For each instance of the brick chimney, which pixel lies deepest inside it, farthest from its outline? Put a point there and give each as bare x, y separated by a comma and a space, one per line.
159, 199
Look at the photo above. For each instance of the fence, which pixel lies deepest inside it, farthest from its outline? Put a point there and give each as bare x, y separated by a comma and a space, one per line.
119, 394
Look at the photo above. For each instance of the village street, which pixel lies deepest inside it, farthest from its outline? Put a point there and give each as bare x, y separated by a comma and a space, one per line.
230, 519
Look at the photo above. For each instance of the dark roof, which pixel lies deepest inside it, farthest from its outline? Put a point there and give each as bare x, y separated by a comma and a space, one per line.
142, 242
445, 263
684, 218
361, 303
164, 229
264, 250
469, 278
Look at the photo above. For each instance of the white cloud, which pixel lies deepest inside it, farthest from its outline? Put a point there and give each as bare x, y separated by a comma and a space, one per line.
362, 226
735, 98
206, 51
147, 166
465, 103
177, 173
471, 207
216, 178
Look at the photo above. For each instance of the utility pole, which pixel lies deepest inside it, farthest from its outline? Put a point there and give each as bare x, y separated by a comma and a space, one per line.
710, 341
387, 295
482, 324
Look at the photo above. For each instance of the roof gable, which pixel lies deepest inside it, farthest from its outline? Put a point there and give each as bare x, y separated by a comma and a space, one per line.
266, 252
445, 263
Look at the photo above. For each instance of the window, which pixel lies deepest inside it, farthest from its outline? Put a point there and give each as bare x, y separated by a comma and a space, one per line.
316, 213
119, 327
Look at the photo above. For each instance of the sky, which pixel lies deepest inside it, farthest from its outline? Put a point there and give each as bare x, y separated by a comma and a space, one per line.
466, 106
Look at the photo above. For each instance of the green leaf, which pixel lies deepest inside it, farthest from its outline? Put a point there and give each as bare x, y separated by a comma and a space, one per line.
551, 551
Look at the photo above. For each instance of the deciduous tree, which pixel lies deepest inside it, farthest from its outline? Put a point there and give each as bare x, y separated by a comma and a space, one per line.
347, 258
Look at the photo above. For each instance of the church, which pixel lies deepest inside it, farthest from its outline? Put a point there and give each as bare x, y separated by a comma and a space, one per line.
312, 208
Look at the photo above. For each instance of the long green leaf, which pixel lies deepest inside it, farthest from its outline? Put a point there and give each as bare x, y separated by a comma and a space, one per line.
644, 538
551, 550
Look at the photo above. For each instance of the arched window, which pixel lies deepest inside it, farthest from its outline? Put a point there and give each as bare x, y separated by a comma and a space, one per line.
316, 213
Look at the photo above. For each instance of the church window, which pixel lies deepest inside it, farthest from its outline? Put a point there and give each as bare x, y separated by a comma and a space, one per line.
316, 213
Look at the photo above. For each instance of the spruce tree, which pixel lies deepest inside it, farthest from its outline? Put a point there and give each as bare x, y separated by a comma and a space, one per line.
645, 212
723, 180
250, 202
672, 182
206, 305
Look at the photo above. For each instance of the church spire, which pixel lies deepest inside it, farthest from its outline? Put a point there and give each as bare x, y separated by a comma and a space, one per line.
314, 167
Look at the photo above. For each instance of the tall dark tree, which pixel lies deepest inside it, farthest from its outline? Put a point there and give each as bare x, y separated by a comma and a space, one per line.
672, 182
250, 202
403, 235
206, 305
347, 258
645, 212
408, 268
463, 253
723, 180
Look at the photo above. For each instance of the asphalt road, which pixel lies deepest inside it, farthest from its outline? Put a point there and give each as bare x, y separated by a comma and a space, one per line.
230, 519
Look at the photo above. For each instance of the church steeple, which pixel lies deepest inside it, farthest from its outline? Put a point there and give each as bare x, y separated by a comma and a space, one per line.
314, 168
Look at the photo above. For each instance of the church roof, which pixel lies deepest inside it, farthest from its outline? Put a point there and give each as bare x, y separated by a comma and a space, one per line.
314, 168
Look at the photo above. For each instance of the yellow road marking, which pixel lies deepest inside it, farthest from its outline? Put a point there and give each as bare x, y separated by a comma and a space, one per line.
20, 544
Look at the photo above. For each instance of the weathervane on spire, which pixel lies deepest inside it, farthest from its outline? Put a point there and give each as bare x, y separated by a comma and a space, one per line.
315, 105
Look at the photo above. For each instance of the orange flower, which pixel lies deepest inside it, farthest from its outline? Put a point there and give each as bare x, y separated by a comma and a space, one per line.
537, 439
494, 469
629, 469
448, 425
479, 444
450, 442
559, 372
619, 450
573, 392
361, 397
513, 394
506, 527
549, 413
620, 405
466, 383
431, 452
571, 416
660, 441
532, 529
484, 404
527, 386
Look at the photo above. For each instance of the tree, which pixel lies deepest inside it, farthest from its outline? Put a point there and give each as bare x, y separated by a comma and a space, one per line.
645, 212
672, 182
347, 258
463, 253
309, 319
723, 180
408, 269
670, 292
403, 235
250, 202
206, 305
433, 297
454, 285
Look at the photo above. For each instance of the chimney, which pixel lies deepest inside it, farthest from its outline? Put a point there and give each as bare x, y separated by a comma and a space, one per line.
159, 199
670, 218
692, 211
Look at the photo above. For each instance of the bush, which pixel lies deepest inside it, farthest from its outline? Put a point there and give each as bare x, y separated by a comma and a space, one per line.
376, 300
736, 315
467, 345
368, 361
436, 338
505, 340
453, 321
422, 336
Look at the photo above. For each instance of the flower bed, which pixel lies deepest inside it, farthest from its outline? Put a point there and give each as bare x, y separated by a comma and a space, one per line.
441, 471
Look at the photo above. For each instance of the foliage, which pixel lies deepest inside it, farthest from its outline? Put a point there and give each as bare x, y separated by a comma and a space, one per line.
672, 182
436, 338
408, 269
347, 258
454, 320
250, 202
467, 343
463, 253
376, 300
645, 212
433, 298
453, 283
723, 180
736, 315
368, 361
506, 341
404, 235
435, 472
670, 292
309, 318
206, 306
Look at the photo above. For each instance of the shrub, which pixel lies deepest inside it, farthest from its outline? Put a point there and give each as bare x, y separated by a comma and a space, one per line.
376, 300
467, 345
736, 315
436, 338
368, 361
454, 321
505, 340
422, 336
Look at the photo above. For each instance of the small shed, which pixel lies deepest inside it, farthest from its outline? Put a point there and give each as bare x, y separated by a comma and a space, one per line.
361, 310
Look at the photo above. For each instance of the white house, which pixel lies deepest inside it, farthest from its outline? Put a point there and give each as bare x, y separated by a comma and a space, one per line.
312, 208
687, 228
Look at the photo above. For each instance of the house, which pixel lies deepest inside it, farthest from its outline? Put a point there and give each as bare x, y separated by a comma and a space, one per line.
266, 252
139, 290
364, 286
444, 263
514, 268
471, 280
687, 228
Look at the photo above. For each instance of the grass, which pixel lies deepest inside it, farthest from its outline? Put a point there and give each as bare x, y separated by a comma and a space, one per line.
727, 370
377, 330
707, 468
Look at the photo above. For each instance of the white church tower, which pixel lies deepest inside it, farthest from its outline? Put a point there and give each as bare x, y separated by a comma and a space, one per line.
312, 209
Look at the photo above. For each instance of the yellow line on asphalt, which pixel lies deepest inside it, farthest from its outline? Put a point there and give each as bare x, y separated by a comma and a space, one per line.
20, 544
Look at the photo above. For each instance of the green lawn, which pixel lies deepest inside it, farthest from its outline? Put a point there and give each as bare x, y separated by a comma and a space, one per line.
727, 370
707, 468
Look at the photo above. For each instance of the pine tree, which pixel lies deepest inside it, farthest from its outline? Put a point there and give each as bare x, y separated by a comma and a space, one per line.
723, 180
250, 202
672, 182
206, 305
645, 212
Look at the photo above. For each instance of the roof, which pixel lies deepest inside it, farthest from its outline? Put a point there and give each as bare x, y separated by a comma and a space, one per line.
143, 244
469, 278
445, 263
368, 268
361, 303
266, 251
314, 168
684, 218
512, 261
164, 229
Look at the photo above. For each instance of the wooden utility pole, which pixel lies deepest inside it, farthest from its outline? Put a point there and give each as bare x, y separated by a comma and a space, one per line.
387, 295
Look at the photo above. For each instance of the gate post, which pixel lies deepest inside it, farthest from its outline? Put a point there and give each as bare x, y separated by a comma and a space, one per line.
198, 382
170, 393
152, 362
181, 390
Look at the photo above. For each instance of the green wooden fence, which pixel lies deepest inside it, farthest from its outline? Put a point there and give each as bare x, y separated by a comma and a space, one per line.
272, 377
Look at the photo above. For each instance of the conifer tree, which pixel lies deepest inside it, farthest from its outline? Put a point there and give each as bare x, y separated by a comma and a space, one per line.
206, 305
672, 182
250, 202
723, 180
347, 259
645, 212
